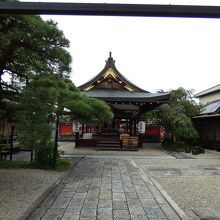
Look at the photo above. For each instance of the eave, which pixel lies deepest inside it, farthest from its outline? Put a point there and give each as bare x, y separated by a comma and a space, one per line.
128, 97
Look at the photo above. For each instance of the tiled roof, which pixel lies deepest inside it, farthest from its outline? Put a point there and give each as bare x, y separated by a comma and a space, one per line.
114, 95
211, 108
208, 91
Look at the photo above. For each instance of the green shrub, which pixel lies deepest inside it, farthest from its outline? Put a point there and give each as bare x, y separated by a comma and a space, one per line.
10, 164
178, 147
20, 146
17, 147
63, 165
44, 156
3, 139
191, 141
3, 146
167, 140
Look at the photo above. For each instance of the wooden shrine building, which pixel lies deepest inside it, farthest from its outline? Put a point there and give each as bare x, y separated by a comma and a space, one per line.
127, 101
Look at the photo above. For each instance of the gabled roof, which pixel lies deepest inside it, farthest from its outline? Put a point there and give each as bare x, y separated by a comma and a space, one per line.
210, 110
208, 91
110, 70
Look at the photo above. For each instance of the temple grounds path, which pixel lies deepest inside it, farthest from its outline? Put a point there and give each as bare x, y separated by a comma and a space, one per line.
116, 185
106, 188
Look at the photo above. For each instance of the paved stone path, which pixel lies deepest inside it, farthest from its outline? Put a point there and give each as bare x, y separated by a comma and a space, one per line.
105, 189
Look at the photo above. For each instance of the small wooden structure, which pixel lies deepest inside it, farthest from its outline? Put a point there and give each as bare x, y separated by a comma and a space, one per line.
130, 143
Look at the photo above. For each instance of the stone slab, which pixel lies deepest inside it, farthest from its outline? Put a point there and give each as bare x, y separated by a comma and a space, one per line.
206, 214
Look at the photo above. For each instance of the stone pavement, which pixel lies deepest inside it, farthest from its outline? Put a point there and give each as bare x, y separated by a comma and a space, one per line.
105, 189
148, 150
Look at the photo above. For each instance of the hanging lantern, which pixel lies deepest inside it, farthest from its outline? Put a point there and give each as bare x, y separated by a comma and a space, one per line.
141, 127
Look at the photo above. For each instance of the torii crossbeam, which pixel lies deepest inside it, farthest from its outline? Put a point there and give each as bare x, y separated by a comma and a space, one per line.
107, 9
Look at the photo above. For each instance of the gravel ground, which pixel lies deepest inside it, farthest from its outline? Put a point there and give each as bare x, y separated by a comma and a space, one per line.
183, 163
20, 187
193, 192
193, 186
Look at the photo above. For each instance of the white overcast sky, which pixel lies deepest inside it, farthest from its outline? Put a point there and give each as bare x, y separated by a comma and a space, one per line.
153, 53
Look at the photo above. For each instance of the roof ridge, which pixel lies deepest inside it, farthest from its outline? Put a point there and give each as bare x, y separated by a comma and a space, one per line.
206, 91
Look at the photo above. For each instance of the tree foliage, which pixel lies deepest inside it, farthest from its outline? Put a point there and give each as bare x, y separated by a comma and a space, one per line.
33, 53
34, 56
23, 41
29, 46
176, 117
49, 96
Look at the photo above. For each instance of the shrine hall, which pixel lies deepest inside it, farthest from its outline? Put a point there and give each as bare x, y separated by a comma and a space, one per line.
127, 101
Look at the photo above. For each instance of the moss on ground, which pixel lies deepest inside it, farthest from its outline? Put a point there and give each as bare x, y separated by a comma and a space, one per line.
62, 165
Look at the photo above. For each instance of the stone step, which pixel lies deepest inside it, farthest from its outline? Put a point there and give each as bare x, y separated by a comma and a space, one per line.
105, 146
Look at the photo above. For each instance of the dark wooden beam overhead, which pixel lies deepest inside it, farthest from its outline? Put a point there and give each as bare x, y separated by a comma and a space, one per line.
105, 9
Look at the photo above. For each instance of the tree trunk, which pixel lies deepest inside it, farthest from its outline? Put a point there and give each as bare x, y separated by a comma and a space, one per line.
56, 143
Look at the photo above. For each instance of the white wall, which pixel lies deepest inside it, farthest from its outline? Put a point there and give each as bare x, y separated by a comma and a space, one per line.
209, 98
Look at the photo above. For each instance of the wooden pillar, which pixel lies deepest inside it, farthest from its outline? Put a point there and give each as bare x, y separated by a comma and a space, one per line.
131, 123
118, 121
11, 141
134, 126
76, 139
113, 123
140, 140
215, 131
82, 129
32, 154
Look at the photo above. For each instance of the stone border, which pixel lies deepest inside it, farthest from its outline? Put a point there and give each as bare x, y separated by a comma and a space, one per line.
126, 157
176, 208
176, 155
206, 214
212, 151
153, 181
47, 197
